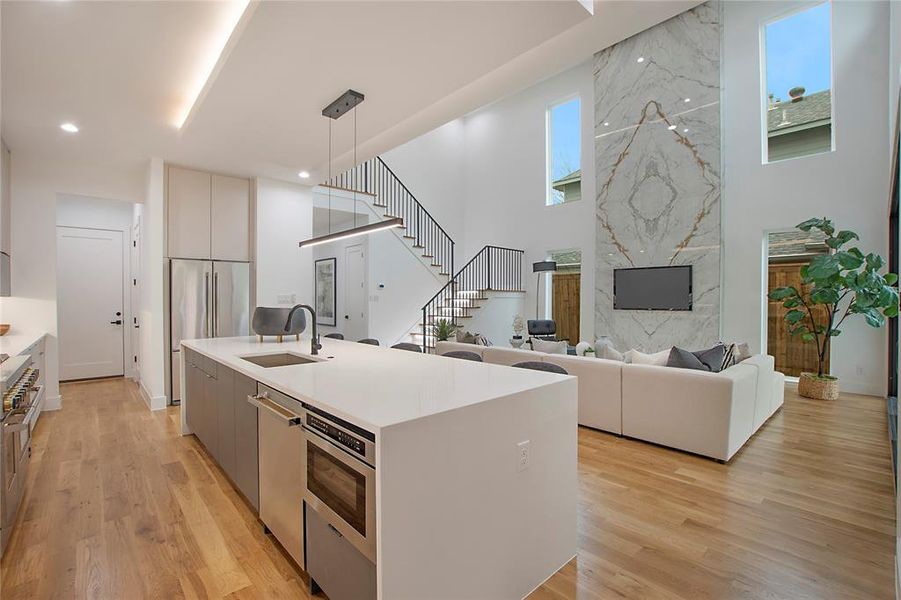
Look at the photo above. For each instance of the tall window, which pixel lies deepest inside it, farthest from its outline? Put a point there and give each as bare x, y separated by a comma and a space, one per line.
798, 84
564, 152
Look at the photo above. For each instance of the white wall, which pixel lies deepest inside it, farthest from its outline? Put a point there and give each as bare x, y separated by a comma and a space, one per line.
152, 355
849, 185
432, 168
35, 185
100, 213
494, 318
284, 217
503, 175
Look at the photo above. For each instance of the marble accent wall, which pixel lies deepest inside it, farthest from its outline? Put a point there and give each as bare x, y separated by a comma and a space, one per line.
658, 165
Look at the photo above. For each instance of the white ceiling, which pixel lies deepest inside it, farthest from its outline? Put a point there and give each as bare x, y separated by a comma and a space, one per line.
123, 70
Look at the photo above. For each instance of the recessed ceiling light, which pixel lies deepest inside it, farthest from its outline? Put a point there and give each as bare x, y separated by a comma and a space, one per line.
671, 127
606, 123
687, 100
303, 175
641, 59
69, 127
685, 130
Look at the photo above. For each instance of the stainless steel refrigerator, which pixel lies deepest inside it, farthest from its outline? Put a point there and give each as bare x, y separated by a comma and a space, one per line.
206, 299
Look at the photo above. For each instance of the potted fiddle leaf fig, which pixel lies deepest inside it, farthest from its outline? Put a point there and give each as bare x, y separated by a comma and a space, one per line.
845, 282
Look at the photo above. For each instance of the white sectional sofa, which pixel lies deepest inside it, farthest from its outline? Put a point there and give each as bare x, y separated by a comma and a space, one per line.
712, 414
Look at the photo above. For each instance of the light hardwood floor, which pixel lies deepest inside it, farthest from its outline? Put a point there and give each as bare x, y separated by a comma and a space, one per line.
120, 506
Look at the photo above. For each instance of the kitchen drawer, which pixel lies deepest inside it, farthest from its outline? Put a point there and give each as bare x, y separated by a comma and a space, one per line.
209, 366
335, 564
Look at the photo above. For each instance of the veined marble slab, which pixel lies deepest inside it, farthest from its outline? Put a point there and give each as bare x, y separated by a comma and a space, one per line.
657, 149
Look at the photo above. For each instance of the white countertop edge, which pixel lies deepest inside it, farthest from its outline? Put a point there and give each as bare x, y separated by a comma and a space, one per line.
14, 343
261, 375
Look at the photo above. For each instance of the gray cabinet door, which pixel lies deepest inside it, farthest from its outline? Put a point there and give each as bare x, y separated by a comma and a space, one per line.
247, 475
225, 406
193, 397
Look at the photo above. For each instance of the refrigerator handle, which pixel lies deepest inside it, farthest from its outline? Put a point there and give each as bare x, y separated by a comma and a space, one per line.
215, 304
206, 304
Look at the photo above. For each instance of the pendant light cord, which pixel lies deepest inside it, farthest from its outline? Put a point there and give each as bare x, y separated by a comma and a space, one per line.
355, 166
330, 176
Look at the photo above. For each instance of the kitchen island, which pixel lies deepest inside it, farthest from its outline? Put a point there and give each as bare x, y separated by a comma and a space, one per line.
473, 466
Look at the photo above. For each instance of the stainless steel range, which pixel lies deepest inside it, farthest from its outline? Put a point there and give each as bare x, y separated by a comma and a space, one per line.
18, 385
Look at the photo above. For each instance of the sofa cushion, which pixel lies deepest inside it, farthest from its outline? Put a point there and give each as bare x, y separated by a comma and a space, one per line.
712, 357
683, 359
636, 357
549, 347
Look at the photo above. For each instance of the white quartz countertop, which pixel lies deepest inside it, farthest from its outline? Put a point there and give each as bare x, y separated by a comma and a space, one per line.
15, 342
371, 386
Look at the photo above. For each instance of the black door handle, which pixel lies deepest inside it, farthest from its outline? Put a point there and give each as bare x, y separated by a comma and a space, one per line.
116, 322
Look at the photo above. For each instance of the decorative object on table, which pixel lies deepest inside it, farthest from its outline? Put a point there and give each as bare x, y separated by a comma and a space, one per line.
581, 347
538, 268
845, 282
268, 321
4, 328
519, 325
517, 342
443, 329
589, 352
325, 278
340, 106
603, 348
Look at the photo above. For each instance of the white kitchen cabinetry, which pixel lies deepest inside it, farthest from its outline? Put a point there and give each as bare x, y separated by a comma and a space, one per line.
208, 216
230, 218
189, 213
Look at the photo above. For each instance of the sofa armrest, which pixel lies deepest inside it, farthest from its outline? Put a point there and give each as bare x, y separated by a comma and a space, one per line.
600, 389
706, 413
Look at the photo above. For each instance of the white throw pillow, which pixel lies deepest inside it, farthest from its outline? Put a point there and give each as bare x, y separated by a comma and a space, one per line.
637, 357
581, 347
603, 348
549, 347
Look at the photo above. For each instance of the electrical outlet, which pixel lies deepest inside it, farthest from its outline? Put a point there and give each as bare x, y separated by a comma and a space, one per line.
523, 458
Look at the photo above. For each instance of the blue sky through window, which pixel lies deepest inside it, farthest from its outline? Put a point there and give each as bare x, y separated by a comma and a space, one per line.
798, 52
566, 139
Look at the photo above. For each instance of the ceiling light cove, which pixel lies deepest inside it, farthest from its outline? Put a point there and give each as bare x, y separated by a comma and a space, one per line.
69, 127
209, 61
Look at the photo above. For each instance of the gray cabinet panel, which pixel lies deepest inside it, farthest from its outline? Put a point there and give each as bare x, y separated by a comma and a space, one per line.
225, 405
193, 397
209, 432
247, 476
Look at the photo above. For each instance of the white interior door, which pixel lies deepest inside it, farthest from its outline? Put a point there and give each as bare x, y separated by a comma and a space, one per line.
90, 302
355, 293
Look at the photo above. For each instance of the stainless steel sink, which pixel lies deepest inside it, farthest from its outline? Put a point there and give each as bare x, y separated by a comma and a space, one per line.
282, 359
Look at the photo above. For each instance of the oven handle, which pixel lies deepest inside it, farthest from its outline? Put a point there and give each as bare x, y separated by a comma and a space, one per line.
263, 401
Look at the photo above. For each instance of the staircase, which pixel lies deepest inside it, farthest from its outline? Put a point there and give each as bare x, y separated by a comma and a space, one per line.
492, 269
375, 179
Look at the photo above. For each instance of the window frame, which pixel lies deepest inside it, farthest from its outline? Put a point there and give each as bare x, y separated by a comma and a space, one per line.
548, 146
764, 137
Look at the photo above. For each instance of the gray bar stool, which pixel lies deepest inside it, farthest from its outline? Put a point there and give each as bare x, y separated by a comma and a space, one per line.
463, 355
541, 366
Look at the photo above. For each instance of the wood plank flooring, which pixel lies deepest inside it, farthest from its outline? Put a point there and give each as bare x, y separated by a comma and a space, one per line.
119, 505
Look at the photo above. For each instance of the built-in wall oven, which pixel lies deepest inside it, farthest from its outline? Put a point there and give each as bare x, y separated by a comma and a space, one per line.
340, 477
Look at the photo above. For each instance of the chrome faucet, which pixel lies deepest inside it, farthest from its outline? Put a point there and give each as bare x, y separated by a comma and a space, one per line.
314, 343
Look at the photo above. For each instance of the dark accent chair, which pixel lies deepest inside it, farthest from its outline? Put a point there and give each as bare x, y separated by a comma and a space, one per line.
541, 366
370, 341
407, 346
463, 355
543, 329
335, 336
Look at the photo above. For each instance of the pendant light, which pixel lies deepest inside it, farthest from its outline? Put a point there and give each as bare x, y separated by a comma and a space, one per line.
345, 103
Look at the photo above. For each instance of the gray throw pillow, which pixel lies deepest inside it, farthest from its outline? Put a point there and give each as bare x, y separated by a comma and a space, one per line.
712, 357
683, 359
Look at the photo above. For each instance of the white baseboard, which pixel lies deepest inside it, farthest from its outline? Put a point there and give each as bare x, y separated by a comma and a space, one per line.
52, 403
152, 402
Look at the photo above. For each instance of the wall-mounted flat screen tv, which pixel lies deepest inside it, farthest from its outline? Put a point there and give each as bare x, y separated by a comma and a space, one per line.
652, 288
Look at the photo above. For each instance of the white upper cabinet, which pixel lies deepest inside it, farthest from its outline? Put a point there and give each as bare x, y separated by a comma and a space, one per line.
209, 216
189, 213
230, 226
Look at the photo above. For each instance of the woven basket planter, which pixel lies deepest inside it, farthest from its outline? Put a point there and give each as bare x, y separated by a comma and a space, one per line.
810, 386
